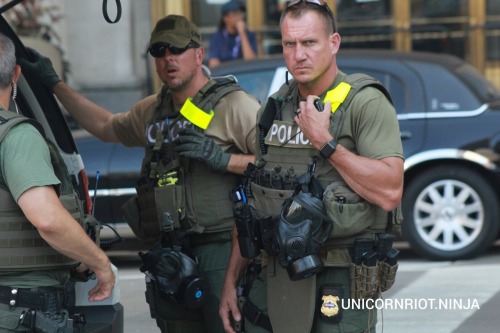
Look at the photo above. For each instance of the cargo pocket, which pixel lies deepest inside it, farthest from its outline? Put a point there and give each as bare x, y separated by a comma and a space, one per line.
147, 210
171, 199
350, 213
268, 201
132, 215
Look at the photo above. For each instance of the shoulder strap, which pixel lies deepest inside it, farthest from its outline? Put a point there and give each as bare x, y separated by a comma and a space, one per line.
199, 110
210, 94
359, 81
9, 119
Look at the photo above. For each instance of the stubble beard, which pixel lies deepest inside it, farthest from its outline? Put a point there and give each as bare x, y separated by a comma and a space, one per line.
182, 83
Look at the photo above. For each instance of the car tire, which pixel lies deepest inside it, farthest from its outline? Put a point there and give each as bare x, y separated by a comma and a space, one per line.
450, 213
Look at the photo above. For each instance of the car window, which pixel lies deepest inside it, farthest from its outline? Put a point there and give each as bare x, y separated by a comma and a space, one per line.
478, 83
257, 83
393, 84
445, 91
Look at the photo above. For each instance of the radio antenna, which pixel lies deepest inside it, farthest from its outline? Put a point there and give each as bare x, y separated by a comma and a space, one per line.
97, 176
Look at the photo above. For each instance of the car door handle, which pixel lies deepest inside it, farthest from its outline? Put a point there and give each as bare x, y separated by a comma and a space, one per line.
405, 135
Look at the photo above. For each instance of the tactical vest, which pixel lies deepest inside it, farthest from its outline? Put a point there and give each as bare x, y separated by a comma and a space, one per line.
282, 144
198, 200
22, 247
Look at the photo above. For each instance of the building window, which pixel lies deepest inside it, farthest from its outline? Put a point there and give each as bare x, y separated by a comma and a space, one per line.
270, 32
365, 23
439, 26
493, 30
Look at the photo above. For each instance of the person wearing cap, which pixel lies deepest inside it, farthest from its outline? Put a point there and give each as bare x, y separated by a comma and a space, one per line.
198, 128
232, 40
326, 195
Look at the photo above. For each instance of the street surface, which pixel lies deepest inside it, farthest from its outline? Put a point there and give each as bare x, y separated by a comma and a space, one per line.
437, 297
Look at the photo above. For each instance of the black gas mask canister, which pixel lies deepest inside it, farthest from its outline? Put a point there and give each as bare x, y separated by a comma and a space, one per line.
302, 229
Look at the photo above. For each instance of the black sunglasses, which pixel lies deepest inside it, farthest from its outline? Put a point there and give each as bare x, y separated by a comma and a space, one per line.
318, 3
159, 50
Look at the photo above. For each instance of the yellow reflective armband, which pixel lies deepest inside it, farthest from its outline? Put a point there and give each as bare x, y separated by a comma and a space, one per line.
195, 115
337, 95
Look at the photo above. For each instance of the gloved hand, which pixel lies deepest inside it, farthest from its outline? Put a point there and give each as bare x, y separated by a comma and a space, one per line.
41, 67
195, 145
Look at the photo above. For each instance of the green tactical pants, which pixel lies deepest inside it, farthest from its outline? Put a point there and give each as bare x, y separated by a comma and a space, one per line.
213, 259
9, 319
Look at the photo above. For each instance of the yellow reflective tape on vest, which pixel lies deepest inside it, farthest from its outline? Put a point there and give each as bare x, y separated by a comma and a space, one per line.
195, 115
337, 95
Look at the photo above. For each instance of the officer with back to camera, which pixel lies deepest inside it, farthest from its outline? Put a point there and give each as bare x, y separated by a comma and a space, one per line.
325, 184
198, 134
42, 242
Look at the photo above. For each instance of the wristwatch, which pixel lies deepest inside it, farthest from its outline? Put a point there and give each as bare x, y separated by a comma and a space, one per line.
328, 148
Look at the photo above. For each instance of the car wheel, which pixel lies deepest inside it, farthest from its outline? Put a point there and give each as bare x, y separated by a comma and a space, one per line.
450, 213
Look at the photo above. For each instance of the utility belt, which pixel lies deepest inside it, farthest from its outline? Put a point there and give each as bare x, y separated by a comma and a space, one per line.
45, 299
49, 309
43, 322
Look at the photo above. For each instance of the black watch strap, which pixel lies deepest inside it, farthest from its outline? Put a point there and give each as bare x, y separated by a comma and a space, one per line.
328, 148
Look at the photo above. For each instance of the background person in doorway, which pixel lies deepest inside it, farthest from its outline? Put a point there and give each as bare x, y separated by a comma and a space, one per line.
232, 40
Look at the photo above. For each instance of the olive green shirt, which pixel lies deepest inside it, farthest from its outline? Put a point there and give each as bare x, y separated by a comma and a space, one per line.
25, 163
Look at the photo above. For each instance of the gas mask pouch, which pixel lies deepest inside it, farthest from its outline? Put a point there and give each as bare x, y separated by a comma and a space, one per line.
302, 229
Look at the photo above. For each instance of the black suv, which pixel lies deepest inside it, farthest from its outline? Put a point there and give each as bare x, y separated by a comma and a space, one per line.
449, 117
35, 101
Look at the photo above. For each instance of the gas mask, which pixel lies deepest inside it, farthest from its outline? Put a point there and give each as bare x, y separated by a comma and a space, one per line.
302, 229
176, 275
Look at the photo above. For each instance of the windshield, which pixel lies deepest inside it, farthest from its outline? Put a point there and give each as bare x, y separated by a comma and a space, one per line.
484, 89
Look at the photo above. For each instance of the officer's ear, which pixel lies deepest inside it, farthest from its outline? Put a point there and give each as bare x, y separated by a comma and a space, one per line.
334, 40
17, 73
200, 55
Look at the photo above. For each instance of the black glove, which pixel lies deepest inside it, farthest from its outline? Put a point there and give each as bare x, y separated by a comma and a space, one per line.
41, 67
193, 144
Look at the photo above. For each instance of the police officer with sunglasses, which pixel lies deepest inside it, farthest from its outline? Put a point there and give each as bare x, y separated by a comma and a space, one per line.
198, 134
